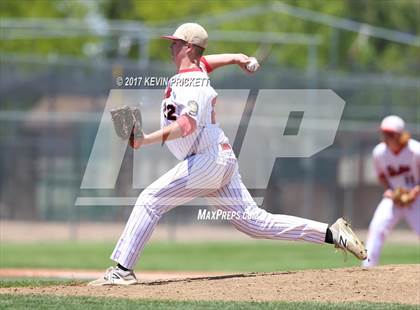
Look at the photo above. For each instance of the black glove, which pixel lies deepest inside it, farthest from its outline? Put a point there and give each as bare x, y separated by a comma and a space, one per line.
127, 121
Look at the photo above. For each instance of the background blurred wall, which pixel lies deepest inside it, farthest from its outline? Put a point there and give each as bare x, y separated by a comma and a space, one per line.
52, 99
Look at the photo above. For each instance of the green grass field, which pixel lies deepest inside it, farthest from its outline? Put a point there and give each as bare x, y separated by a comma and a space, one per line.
222, 256
230, 257
55, 302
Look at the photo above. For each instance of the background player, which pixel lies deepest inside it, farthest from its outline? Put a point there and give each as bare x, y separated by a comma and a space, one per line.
208, 166
397, 163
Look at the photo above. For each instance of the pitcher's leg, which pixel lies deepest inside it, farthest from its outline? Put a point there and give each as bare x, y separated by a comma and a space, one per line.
139, 227
384, 219
258, 223
189, 179
151, 204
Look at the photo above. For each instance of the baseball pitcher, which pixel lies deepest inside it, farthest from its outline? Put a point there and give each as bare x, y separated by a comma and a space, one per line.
208, 166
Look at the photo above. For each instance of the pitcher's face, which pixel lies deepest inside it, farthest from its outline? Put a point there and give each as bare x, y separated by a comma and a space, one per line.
178, 50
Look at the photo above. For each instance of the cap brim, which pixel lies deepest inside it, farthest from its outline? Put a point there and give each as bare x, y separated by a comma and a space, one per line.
176, 38
171, 38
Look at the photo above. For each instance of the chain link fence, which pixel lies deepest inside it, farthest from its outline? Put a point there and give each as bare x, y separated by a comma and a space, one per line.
50, 112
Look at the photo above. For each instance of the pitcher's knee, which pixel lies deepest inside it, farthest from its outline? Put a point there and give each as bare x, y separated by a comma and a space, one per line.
250, 229
255, 223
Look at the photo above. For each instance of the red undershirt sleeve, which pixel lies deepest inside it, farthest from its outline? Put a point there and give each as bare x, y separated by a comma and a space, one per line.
206, 64
188, 124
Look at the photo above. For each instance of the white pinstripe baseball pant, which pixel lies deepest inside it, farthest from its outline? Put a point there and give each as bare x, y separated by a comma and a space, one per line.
386, 216
214, 175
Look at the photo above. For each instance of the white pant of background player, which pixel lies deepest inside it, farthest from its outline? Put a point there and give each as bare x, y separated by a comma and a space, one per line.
213, 174
385, 218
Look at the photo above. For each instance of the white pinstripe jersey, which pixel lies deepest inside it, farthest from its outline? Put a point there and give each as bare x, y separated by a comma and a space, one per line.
190, 92
402, 169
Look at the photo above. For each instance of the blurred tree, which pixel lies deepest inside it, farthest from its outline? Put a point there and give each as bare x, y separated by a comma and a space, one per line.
342, 50
44, 9
355, 52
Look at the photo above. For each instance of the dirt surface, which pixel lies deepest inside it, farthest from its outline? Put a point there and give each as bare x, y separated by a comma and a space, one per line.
390, 283
77, 274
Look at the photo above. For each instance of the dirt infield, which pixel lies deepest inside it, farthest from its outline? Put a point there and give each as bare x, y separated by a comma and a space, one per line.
390, 283
77, 274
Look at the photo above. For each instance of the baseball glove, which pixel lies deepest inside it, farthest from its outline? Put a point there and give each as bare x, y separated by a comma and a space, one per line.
127, 122
402, 197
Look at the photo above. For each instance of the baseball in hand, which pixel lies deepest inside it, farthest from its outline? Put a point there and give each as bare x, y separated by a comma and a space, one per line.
253, 64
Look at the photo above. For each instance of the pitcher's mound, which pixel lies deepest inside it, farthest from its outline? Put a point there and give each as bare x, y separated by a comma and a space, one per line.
390, 283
